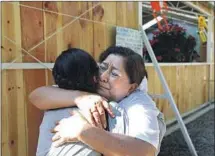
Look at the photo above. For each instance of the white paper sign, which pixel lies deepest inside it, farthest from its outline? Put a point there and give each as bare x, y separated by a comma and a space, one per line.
129, 38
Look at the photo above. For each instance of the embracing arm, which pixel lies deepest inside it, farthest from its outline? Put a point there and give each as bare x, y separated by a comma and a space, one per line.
146, 130
111, 144
142, 139
48, 97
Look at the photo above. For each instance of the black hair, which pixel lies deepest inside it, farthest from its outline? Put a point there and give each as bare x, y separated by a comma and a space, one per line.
76, 69
133, 62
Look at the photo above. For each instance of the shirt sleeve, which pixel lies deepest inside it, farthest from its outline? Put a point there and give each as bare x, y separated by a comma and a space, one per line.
143, 124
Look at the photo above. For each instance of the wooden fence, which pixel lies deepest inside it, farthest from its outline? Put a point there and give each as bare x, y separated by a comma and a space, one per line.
190, 86
30, 26
27, 24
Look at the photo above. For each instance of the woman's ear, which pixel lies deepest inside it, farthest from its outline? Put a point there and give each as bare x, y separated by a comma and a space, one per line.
133, 87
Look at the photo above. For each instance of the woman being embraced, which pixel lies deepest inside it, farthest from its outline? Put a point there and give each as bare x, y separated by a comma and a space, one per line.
121, 73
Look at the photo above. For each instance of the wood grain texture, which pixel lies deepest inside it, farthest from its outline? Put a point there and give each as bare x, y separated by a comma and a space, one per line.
212, 83
127, 14
52, 22
32, 24
188, 86
104, 34
14, 137
79, 34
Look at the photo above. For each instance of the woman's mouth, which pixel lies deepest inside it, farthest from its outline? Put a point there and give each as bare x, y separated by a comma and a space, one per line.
104, 87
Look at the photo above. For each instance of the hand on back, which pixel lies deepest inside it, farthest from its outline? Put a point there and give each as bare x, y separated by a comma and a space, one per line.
93, 108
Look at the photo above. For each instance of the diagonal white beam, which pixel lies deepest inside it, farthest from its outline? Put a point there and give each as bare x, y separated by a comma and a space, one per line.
190, 4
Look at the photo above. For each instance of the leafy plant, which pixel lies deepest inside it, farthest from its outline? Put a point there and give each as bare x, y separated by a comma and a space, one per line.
172, 45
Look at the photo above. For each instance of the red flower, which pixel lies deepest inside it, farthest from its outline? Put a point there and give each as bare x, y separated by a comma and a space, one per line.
155, 32
177, 49
152, 42
159, 58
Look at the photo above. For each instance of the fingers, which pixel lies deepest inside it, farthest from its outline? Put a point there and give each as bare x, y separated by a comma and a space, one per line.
101, 111
86, 114
56, 129
74, 112
71, 112
104, 98
61, 121
108, 108
96, 116
52, 131
59, 142
56, 137
57, 122
90, 118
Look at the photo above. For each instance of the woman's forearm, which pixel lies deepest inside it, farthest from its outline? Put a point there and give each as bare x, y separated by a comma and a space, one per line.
48, 97
111, 144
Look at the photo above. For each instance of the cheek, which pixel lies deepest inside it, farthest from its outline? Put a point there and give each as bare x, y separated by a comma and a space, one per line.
119, 89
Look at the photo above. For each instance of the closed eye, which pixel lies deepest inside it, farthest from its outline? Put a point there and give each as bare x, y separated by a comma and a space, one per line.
114, 74
102, 68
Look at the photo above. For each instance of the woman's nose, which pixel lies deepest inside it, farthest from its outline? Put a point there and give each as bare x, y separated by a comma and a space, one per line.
104, 76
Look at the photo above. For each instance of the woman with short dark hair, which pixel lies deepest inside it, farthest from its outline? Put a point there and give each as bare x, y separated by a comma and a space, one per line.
121, 73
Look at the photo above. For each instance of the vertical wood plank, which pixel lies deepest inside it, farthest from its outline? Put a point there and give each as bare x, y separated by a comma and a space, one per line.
185, 89
127, 14
212, 83
158, 88
156, 85
199, 80
188, 85
4, 115
11, 114
204, 84
71, 33
173, 82
164, 102
21, 104
150, 79
32, 33
104, 34
79, 34
6, 56
52, 22
191, 91
14, 109
179, 87
170, 75
207, 84
86, 37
